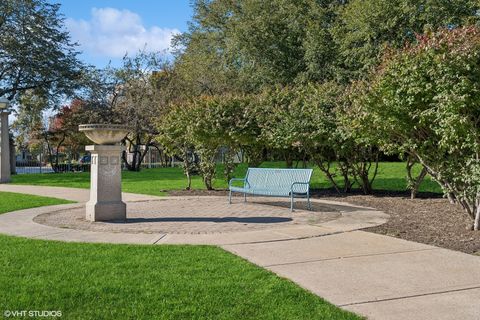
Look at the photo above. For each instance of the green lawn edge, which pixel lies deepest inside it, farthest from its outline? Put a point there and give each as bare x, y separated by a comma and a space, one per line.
12, 201
391, 176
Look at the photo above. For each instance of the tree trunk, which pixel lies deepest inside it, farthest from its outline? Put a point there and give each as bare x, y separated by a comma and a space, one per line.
360, 175
229, 164
137, 155
189, 181
414, 182
187, 168
361, 170
187, 173
207, 165
208, 182
418, 181
289, 159
366, 185
325, 168
344, 169
476, 222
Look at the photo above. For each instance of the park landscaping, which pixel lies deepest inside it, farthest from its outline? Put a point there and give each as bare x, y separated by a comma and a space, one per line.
429, 219
337, 86
294, 81
159, 181
102, 281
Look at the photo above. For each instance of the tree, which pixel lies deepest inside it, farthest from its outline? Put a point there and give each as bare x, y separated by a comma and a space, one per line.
141, 101
203, 126
213, 123
65, 122
133, 94
174, 135
243, 46
35, 50
364, 28
424, 100
56, 133
313, 123
29, 119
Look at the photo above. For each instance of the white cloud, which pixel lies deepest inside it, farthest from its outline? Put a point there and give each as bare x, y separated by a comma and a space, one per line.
113, 33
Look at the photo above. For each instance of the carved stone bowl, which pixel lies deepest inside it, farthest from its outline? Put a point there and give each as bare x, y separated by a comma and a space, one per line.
104, 133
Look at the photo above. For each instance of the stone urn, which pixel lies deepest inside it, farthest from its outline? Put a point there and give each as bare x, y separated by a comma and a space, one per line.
105, 202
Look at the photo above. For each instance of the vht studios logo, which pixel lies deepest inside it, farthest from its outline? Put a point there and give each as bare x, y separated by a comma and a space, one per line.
32, 313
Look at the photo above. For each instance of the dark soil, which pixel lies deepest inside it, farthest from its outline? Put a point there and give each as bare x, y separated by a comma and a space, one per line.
430, 219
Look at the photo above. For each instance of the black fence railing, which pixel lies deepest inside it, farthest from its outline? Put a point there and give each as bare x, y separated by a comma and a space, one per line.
26, 167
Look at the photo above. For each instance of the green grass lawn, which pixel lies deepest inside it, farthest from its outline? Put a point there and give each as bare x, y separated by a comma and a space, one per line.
391, 176
102, 281
10, 201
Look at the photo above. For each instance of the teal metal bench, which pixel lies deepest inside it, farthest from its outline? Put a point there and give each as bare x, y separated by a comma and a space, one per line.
274, 183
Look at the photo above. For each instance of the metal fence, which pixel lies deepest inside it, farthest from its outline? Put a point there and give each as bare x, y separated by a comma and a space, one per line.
26, 167
29, 164
26, 163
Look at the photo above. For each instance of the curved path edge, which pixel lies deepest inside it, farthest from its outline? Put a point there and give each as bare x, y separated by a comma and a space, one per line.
20, 223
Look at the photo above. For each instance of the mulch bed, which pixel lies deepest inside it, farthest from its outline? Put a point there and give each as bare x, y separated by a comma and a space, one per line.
430, 219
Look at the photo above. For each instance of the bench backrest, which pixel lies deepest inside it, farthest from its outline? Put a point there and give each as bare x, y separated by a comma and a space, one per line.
270, 178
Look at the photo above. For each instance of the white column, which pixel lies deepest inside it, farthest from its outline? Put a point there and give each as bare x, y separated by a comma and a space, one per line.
105, 202
4, 148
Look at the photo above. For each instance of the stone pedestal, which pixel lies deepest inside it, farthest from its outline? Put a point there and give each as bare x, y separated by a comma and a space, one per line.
4, 148
105, 202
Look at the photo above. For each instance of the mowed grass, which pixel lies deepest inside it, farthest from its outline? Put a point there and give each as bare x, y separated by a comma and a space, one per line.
391, 176
10, 201
102, 281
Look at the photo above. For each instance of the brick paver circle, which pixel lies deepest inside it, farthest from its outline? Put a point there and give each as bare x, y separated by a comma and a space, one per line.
202, 215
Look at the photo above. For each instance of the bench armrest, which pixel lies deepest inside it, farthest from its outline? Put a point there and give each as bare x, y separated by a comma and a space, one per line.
236, 179
292, 187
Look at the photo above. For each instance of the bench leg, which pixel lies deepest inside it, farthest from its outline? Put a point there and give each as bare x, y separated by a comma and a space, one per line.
291, 202
230, 197
308, 201
244, 197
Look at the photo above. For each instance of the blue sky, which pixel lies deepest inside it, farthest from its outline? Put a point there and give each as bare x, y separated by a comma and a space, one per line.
107, 29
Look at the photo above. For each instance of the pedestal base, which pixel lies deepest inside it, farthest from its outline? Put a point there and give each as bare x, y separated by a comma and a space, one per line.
105, 184
106, 211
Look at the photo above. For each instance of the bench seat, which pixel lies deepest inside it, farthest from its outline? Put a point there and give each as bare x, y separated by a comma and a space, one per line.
274, 183
279, 192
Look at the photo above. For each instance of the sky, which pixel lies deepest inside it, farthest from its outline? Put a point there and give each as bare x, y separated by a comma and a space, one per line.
108, 29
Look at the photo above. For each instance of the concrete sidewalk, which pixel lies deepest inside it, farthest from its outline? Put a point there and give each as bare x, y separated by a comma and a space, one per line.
373, 275
376, 276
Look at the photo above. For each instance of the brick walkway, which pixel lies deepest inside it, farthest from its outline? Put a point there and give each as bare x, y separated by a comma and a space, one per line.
197, 216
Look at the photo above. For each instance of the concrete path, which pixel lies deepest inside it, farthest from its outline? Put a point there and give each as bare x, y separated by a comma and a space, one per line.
167, 220
376, 276
373, 275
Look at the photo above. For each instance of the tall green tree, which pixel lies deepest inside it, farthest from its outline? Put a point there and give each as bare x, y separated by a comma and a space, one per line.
364, 28
35, 50
244, 45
